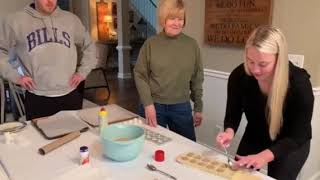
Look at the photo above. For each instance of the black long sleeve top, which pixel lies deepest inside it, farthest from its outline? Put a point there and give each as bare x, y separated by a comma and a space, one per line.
244, 95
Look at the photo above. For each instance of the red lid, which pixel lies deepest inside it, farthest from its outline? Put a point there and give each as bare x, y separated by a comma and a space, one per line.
159, 155
102, 109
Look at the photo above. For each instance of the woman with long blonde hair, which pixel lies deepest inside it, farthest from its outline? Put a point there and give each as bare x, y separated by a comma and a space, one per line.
277, 99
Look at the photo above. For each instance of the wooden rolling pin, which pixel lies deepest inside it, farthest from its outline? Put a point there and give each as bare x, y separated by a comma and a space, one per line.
59, 142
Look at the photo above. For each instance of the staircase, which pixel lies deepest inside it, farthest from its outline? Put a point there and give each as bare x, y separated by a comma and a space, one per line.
147, 9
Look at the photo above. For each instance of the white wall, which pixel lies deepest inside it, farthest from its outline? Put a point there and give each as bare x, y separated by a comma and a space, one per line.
9, 6
214, 105
312, 166
214, 101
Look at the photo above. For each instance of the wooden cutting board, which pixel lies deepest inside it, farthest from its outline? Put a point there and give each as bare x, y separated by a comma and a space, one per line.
115, 114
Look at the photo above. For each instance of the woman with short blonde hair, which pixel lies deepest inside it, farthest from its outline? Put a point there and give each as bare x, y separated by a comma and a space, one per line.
277, 99
169, 73
171, 9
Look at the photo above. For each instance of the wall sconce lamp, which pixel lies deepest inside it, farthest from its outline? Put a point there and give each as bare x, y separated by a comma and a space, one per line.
107, 19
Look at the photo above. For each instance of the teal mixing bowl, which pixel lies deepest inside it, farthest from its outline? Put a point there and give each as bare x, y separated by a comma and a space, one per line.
122, 142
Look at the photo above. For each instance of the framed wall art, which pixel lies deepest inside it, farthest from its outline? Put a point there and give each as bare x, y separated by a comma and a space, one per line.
232, 21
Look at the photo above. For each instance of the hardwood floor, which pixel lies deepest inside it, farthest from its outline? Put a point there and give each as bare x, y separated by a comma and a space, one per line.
123, 93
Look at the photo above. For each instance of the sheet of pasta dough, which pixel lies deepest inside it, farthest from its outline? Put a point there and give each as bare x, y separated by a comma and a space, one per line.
213, 166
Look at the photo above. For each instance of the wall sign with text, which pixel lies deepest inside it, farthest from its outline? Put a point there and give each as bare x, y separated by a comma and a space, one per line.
231, 21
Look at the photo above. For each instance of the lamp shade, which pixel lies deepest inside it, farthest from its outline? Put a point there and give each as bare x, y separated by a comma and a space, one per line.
107, 19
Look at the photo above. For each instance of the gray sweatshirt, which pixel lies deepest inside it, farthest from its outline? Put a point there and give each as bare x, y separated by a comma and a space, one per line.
47, 49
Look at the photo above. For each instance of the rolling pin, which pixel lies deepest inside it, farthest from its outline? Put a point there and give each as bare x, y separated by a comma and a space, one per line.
59, 142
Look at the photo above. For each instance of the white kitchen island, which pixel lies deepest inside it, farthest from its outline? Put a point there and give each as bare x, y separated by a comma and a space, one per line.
21, 161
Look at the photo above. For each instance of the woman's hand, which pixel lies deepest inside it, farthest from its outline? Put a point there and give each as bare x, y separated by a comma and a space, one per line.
197, 119
27, 83
255, 161
151, 115
224, 138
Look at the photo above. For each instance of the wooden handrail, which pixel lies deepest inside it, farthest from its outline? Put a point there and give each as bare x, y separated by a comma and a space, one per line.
154, 4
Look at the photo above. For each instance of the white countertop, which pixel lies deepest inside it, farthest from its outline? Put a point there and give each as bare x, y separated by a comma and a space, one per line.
22, 161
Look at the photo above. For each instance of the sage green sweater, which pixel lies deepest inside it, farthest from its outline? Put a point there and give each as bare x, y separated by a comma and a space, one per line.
169, 71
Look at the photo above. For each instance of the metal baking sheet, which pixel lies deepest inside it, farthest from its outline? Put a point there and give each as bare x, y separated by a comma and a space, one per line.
60, 124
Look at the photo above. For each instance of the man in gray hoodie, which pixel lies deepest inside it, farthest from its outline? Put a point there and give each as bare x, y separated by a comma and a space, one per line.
45, 39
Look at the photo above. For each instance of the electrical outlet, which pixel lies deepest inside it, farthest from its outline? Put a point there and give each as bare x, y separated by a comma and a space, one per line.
219, 128
297, 59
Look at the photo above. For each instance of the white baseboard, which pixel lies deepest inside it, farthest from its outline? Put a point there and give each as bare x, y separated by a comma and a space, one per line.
124, 75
